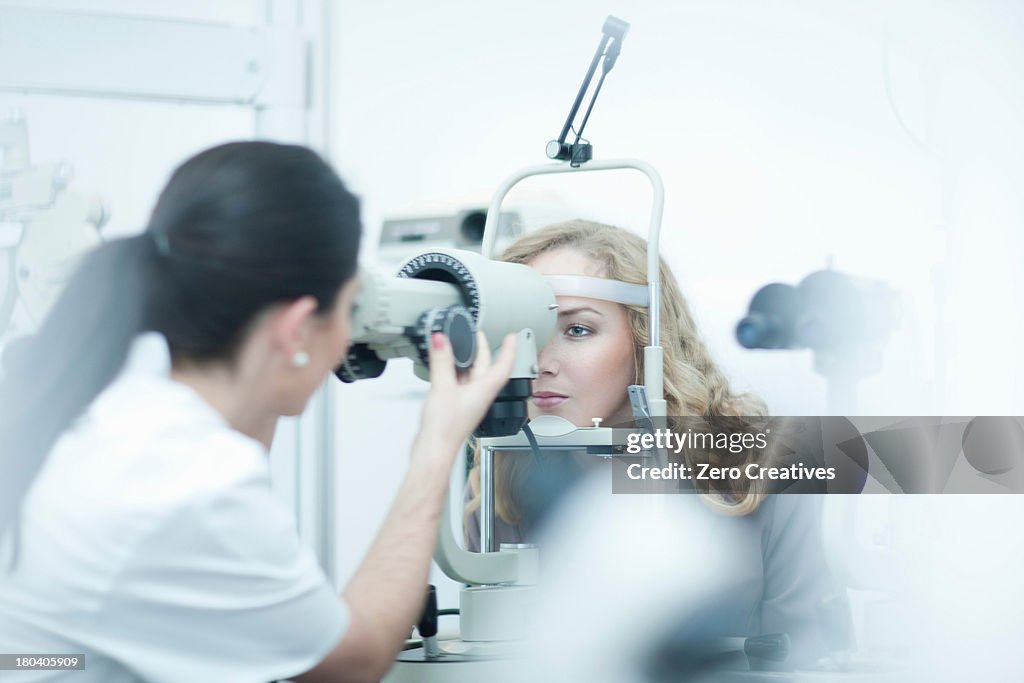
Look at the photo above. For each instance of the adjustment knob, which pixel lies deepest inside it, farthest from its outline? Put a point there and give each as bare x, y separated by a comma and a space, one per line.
557, 150
454, 322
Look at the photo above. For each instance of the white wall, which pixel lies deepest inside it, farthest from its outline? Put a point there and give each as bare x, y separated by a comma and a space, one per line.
879, 135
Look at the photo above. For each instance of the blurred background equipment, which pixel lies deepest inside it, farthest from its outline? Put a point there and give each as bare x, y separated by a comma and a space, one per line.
44, 229
844, 320
403, 237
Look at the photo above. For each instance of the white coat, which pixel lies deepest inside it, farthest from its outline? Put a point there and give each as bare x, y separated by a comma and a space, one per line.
151, 543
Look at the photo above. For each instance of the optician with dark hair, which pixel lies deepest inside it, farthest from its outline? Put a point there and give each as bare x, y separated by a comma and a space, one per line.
138, 524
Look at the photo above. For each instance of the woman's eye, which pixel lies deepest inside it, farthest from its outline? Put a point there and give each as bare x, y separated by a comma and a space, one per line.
577, 331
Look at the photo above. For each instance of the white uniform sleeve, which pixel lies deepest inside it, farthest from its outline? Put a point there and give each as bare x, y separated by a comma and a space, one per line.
222, 591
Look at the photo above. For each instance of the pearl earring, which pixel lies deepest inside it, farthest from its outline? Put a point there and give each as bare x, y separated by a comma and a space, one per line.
300, 359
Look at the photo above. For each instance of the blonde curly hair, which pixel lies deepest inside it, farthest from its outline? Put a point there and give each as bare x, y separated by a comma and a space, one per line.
693, 383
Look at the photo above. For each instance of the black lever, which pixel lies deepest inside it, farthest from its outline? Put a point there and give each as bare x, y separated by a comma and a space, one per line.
612, 34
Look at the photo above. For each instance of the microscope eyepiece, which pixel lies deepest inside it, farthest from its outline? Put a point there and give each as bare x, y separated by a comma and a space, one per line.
769, 322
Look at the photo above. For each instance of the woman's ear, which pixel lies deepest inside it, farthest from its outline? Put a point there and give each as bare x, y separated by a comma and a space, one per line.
290, 326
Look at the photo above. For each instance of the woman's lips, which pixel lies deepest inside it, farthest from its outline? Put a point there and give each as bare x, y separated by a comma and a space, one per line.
546, 400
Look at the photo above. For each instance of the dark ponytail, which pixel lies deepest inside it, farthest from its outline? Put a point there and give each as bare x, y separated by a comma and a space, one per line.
77, 351
238, 228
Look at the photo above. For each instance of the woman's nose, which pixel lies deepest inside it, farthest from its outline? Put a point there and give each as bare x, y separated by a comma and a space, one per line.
547, 361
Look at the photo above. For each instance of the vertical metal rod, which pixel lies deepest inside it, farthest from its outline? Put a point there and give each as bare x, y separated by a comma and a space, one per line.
326, 551
654, 312
486, 499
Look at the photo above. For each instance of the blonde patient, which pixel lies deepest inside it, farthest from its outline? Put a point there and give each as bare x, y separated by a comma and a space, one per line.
596, 352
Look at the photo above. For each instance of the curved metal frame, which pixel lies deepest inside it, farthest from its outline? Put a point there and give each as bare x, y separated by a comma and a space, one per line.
488, 567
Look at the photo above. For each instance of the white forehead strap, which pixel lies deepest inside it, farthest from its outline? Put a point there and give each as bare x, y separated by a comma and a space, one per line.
620, 292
